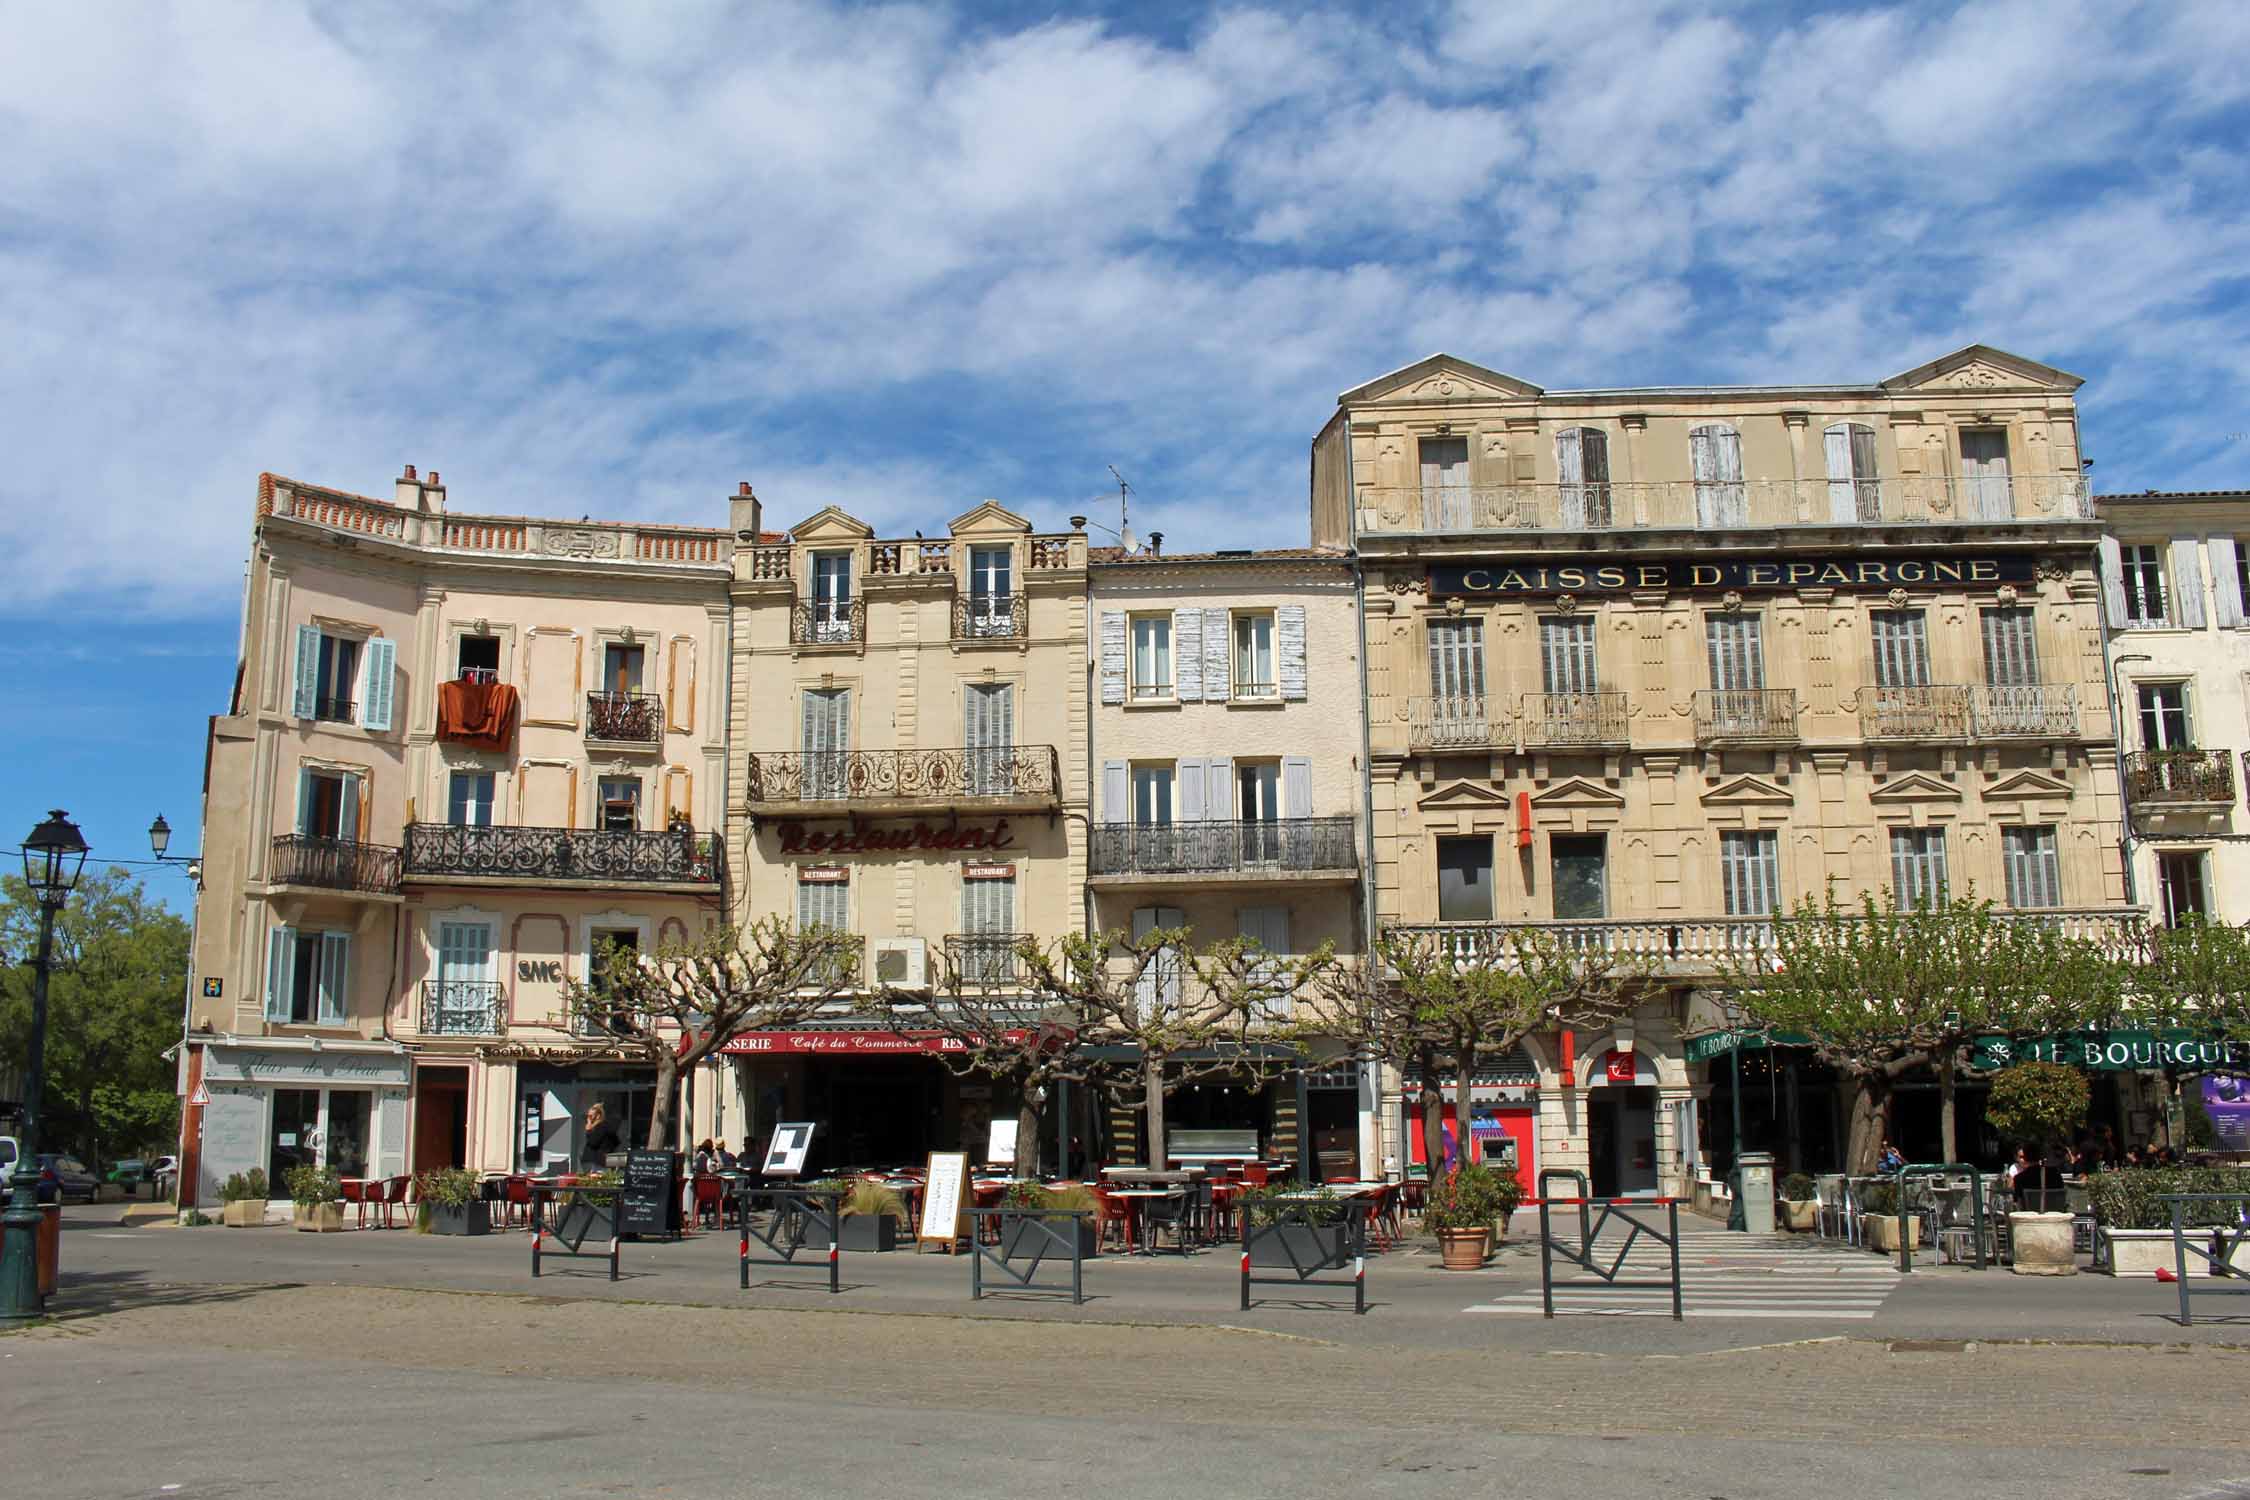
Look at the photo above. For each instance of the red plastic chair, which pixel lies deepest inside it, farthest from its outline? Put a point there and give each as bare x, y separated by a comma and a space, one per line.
708, 1198
515, 1200
394, 1197
1110, 1211
355, 1192
1254, 1173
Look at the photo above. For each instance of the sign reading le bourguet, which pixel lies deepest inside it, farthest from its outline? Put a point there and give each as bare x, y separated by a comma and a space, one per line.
1608, 576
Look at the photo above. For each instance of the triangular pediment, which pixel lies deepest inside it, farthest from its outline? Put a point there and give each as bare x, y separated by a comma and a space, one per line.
2025, 785
989, 517
1748, 791
1441, 377
1577, 792
828, 524
1915, 786
1982, 367
1462, 795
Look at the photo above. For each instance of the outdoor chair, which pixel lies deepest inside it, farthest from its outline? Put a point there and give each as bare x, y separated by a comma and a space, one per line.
1254, 1173
709, 1195
395, 1194
1111, 1213
515, 1200
355, 1192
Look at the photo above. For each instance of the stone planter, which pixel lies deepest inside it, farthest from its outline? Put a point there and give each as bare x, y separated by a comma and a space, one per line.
1882, 1232
2139, 1252
1020, 1240
861, 1234
1799, 1214
2042, 1245
1299, 1247
247, 1214
319, 1218
460, 1218
1464, 1249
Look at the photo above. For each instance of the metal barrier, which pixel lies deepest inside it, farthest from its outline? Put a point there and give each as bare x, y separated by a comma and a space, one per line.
1306, 1248
1016, 1226
2219, 1254
1976, 1201
582, 1213
794, 1209
1606, 1278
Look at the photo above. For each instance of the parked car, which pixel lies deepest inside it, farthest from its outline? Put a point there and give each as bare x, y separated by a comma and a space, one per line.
62, 1178
8, 1153
164, 1171
129, 1173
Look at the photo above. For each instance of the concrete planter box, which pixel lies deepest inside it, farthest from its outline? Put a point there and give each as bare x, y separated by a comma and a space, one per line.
1882, 1233
1020, 1240
1300, 1247
1799, 1214
2043, 1245
861, 1234
2139, 1252
248, 1214
318, 1218
460, 1218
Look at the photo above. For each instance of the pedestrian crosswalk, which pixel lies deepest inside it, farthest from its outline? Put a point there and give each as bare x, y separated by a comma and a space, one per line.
1722, 1275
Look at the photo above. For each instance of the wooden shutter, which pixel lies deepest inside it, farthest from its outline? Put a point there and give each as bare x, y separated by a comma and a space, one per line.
335, 975
1567, 651
1160, 981
1187, 655
1843, 496
1289, 650
2034, 872
1902, 653
1984, 465
1296, 786
1187, 791
824, 903
1716, 453
2011, 651
350, 817
1736, 647
281, 967
1570, 475
2113, 581
382, 665
1113, 656
1918, 866
1217, 642
2226, 581
1268, 926
1220, 801
1750, 873
2187, 582
1456, 658
1117, 792
307, 672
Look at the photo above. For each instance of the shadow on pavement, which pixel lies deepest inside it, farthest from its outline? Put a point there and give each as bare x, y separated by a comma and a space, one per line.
85, 1295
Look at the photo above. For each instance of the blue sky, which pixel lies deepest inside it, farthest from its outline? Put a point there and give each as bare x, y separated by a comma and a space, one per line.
899, 258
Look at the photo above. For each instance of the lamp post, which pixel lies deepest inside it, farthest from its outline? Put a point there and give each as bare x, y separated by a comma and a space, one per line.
52, 858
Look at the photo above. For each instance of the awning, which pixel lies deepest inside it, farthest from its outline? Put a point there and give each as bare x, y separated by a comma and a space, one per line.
2113, 1051
858, 1042
1713, 1044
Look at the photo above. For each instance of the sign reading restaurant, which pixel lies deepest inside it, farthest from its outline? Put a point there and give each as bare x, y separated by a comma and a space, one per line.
1608, 576
922, 837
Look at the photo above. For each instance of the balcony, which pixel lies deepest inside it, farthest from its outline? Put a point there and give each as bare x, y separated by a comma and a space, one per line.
986, 959
2179, 780
1289, 851
827, 623
334, 865
2030, 711
829, 783
991, 617
1457, 724
1745, 716
1914, 713
463, 1007
628, 719
1554, 721
447, 854
1687, 505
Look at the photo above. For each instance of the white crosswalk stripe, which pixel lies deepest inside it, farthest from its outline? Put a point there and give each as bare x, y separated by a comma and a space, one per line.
1722, 1275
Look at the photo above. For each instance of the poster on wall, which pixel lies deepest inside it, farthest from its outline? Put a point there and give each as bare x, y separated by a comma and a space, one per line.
785, 1156
2226, 1099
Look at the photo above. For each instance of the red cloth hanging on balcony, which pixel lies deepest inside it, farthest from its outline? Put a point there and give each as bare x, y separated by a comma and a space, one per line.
479, 714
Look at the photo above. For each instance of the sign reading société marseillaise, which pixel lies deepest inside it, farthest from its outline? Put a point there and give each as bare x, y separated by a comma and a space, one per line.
1588, 575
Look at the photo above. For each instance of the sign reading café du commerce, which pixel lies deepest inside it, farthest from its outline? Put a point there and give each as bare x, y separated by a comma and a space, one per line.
1590, 575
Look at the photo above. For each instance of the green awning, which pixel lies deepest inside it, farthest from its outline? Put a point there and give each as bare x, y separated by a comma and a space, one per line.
1719, 1043
2113, 1051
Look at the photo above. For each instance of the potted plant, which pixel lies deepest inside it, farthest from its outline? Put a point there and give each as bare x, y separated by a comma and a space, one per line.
243, 1198
816, 1235
1800, 1203
1313, 1233
318, 1195
453, 1202
1879, 1203
2037, 1103
588, 1208
870, 1216
2134, 1225
1461, 1210
1507, 1196
1019, 1237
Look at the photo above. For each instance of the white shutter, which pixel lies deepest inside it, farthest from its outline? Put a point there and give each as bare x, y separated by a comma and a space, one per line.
1187, 655
2226, 580
1161, 979
1984, 467
2187, 581
1188, 789
1113, 656
1456, 659
1220, 803
382, 664
281, 967
1736, 647
308, 672
2113, 581
1117, 792
1716, 453
1296, 786
1218, 641
2011, 653
1843, 499
335, 975
1289, 646
1567, 651
1570, 474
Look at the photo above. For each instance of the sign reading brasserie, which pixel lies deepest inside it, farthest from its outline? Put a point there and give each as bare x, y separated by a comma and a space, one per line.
797, 839
1608, 576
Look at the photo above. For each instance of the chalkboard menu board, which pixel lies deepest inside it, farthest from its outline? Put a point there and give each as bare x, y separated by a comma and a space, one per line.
652, 1194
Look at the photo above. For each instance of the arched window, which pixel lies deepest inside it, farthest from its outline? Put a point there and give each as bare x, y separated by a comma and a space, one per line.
1582, 463
1855, 493
1716, 450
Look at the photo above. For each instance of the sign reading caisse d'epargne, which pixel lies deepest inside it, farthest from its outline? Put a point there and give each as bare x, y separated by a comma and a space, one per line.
1588, 575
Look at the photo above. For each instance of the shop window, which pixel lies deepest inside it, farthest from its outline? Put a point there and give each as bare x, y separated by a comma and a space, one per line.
1464, 867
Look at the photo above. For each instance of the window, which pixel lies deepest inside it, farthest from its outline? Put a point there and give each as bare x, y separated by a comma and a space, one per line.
1159, 982
2242, 577
2164, 716
832, 596
319, 1127
332, 669
1578, 865
1736, 646
462, 995
988, 920
1918, 866
2011, 648
1566, 652
1152, 656
1715, 450
1257, 808
1582, 464
479, 658
2179, 878
621, 668
1464, 879
1152, 796
1750, 872
328, 805
992, 602
2144, 585
1902, 649
825, 737
989, 725
824, 899
1984, 472
1445, 484
606, 946
469, 804
621, 804
339, 676
1253, 656
2032, 867
1855, 494
1268, 927
306, 974
1457, 662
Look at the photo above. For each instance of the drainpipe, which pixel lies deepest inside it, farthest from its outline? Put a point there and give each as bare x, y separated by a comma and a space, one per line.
1366, 778
2117, 732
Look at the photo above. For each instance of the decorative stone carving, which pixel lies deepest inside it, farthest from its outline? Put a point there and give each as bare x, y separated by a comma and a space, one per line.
578, 541
2053, 569
1731, 602
1896, 598
1408, 583
1566, 604
2007, 594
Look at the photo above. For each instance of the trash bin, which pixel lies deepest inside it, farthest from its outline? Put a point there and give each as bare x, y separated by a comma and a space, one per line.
50, 1247
1757, 1192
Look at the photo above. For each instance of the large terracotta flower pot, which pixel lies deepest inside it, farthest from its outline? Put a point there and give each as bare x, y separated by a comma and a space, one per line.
1464, 1249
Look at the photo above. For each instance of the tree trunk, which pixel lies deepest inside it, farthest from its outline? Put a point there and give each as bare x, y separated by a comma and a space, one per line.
1432, 1113
1461, 1089
1948, 1084
1864, 1133
1028, 1134
1153, 1149
660, 1118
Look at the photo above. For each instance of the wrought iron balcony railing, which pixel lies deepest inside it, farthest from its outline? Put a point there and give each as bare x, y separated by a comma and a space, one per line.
1458, 723
334, 864
464, 1007
2034, 711
1287, 845
985, 958
1912, 500
1563, 719
1726, 716
632, 718
591, 856
1013, 772
990, 617
828, 624
2156, 777
1931, 712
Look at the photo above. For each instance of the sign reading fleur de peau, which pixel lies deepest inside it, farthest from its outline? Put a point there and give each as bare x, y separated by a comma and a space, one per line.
921, 838
1602, 576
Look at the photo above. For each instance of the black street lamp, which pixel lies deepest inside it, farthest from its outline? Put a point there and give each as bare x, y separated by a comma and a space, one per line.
52, 858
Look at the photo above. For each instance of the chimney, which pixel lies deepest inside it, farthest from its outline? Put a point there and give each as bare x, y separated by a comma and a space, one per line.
409, 490
1156, 544
433, 494
743, 513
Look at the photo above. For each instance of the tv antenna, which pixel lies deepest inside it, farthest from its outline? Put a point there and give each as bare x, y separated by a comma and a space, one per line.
1124, 525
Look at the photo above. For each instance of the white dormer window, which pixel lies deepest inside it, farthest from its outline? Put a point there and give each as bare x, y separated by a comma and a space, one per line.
832, 596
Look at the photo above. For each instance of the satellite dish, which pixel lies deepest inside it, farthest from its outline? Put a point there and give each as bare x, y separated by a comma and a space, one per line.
1132, 543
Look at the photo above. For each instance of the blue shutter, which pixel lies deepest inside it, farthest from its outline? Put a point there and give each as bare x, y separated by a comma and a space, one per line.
281, 951
308, 671
1296, 786
382, 661
1289, 650
1117, 793
1188, 789
304, 801
335, 972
